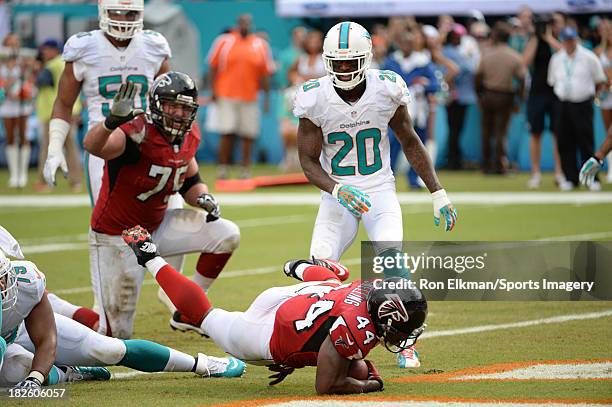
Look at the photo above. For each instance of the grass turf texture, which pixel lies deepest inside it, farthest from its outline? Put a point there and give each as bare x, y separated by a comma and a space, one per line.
268, 244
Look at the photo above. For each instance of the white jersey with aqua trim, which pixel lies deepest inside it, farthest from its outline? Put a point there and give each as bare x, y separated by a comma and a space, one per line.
355, 142
101, 67
30, 289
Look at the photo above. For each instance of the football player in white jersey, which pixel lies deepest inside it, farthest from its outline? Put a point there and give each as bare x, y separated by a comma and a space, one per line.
344, 150
97, 63
43, 347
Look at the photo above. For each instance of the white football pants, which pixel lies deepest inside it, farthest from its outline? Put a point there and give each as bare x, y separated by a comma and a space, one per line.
335, 228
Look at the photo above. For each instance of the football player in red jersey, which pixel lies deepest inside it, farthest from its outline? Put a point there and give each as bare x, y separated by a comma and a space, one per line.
148, 158
319, 322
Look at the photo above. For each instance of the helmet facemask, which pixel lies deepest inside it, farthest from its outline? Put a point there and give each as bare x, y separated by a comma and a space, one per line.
121, 22
173, 117
355, 77
395, 340
8, 283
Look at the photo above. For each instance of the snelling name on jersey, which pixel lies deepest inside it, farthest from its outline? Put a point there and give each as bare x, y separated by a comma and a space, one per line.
356, 296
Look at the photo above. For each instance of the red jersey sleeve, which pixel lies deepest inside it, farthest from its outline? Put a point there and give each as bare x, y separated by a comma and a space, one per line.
353, 335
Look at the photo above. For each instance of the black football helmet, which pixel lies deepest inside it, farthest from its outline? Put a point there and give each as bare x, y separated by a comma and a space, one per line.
173, 101
398, 313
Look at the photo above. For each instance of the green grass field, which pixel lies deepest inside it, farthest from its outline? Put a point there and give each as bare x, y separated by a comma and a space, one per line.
273, 233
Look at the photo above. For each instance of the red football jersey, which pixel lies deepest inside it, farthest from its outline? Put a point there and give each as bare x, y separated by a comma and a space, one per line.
137, 184
303, 322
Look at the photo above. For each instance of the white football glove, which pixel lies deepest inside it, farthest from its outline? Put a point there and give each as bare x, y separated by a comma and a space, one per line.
589, 170
58, 131
210, 205
443, 206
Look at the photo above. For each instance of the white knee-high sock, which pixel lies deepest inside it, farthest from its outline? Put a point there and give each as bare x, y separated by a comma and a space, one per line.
12, 159
179, 362
24, 164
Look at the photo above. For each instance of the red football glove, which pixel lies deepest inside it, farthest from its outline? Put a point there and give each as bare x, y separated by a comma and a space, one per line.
373, 374
139, 240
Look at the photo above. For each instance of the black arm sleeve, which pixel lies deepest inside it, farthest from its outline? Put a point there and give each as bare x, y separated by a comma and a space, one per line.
189, 182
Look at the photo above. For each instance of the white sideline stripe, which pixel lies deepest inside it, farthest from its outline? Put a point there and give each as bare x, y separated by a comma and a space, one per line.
522, 324
464, 331
585, 236
53, 247
226, 274
58, 247
29, 247
251, 199
558, 371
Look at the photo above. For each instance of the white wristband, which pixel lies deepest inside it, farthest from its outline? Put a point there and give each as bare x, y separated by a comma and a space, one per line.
155, 264
439, 197
335, 190
37, 375
58, 131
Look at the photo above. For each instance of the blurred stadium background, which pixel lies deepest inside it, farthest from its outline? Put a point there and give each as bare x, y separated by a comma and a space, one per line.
191, 27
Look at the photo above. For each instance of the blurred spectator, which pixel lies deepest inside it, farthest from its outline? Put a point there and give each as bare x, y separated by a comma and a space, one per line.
461, 94
445, 25
47, 82
288, 124
522, 29
444, 70
469, 48
288, 56
575, 74
480, 31
417, 71
396, 27
16, 74
309, 64
559, 21
379, 52
500, 67
240, 66
541, 101
604, 51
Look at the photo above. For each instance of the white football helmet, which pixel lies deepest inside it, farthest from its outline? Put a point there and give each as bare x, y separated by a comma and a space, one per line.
8, 283
347, 41
121, 30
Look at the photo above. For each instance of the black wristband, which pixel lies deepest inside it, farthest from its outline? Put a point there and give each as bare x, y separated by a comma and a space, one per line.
189, 182
111, 123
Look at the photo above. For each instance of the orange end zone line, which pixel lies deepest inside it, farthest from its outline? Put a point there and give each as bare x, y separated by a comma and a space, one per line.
380, 397
495, 368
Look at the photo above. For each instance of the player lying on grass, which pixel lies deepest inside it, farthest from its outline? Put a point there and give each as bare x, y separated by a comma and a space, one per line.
591, 167
43, 347
319, 322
